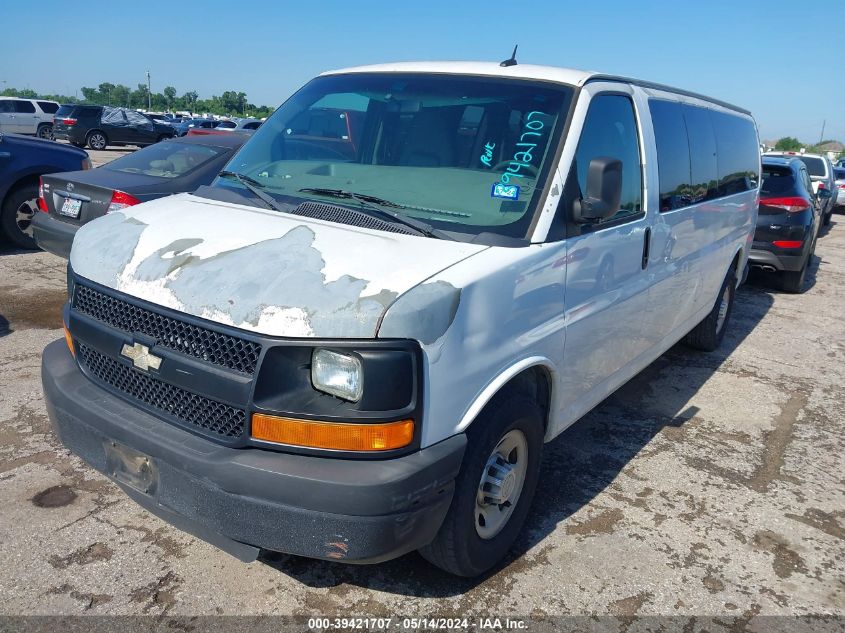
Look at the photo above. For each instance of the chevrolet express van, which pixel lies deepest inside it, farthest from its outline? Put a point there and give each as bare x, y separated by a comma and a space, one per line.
352, 348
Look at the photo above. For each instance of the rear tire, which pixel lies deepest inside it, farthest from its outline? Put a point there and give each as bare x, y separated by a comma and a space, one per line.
827, 217
97, 140
708, 335
792, 281
45, 131
506, 438
16, 216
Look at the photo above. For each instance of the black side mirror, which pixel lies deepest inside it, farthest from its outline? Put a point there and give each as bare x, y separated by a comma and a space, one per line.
824, 194
604, 191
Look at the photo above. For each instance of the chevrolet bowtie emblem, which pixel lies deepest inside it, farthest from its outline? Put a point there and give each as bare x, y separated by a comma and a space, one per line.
141, 357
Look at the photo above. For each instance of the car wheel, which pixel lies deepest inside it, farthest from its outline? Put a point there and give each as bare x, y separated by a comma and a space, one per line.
494, 488
792, 281
45, 131
163, 137
708, 335
96, 140
827, 217
17, 213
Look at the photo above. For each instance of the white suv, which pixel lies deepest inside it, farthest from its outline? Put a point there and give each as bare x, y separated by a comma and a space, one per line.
27, 116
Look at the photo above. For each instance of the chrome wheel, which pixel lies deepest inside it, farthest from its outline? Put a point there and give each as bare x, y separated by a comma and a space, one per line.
97, 141
501, 484
23, 216
724, 304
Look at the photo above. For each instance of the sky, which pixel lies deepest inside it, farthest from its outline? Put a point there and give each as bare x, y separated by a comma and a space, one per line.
775, 58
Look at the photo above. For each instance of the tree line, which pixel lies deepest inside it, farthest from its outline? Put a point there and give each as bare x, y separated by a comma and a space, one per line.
230, 103
792, 144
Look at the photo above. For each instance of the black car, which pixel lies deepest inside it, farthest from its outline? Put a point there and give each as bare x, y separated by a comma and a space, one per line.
100, 126
788, 221
172, 166
22, 160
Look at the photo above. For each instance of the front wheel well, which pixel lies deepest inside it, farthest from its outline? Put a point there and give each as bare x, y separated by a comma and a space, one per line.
24, 181
534, 382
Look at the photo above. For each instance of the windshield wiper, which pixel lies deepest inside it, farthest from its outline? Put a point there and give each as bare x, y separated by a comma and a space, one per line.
254, 186
381, 207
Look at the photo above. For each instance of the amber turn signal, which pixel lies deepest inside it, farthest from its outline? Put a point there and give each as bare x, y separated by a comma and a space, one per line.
69, 340
338, 436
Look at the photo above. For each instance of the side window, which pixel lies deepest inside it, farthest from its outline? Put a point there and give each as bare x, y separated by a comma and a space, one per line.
113, 116
24, 107
138, 120
673, 154
805, 178
6, 106
702, 149
739, 155
48, 106
610, 129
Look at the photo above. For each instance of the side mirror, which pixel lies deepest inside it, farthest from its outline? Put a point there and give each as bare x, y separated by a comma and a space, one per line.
824, 194
604, 191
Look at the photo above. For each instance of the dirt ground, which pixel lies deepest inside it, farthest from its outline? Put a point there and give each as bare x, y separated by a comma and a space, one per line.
711, 484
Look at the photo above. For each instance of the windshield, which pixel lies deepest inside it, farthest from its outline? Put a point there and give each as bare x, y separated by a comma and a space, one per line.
462, 154
166, 159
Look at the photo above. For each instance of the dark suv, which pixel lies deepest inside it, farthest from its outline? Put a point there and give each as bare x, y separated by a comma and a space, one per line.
100, 126
788, 221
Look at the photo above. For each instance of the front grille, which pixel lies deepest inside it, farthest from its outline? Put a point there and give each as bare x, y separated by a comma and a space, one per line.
189, 408
221, 349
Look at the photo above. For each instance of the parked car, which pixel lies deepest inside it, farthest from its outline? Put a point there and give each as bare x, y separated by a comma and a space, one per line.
22, 161
235, 125
69, 200
788, 221
351, 357
839, 173
27, 116
821, 174
101, 126
185, 125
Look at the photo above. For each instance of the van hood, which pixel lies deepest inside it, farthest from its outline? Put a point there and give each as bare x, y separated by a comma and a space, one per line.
265, 271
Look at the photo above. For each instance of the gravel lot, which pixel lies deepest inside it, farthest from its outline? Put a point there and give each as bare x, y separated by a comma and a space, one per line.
710, 484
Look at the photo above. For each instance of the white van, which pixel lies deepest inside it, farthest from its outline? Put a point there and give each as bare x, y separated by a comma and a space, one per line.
355, 343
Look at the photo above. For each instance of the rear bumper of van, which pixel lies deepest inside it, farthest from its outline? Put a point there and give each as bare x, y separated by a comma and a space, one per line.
244, 500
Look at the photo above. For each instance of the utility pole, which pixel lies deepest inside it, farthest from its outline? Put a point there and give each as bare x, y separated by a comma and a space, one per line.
149, 93
821, 138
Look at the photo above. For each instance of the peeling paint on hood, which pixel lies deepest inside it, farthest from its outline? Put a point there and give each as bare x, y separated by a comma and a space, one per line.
259, 270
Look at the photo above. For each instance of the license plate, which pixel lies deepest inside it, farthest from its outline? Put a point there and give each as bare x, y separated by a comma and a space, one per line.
131, 467
70, 207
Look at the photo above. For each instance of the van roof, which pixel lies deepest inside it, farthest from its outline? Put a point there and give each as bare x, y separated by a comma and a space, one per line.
568, 76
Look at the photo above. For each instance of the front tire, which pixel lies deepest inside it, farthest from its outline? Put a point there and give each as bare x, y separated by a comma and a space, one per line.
708, 335
494, 488
16, 216
97, 140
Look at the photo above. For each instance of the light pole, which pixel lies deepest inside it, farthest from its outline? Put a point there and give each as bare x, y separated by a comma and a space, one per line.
149, 93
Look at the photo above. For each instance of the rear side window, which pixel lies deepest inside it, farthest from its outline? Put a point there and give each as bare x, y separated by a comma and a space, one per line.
839, 174
24, 107
6, 105
610, 129
738, 153
673, 154
777, 181
167, 159
815, 166
64, 111
48, 106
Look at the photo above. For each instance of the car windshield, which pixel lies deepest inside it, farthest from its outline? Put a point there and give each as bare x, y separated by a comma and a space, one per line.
462, 154
167, 159
814, 165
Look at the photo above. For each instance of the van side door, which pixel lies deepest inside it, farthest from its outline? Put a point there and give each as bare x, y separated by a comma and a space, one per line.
606, 284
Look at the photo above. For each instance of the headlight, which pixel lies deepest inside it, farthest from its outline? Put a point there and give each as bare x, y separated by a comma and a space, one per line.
340, 375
